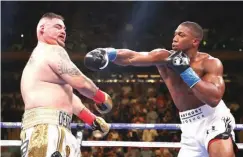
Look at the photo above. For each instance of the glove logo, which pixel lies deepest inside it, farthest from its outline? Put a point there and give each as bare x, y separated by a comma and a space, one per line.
180, 59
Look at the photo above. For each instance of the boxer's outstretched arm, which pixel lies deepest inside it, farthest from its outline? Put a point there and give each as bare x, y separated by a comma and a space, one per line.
211, 87
127, 57
61, 64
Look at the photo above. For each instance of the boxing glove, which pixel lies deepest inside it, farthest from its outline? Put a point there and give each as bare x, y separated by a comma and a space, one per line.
100, 127
99, 58
180, 63
103, 102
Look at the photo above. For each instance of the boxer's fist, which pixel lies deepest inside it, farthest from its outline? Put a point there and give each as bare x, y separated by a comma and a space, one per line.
99, 58
105, 106
96, 59
180, 63
100, 127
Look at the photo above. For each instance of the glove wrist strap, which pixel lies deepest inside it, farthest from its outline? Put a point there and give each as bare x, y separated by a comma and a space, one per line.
112, 54
86, 116
190, 77
99, 97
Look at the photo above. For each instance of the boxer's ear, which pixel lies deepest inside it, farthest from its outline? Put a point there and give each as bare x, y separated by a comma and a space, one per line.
196, 42
42, 29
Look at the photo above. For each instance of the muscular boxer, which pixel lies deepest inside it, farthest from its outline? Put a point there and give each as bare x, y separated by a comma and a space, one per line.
47, 86
194, 80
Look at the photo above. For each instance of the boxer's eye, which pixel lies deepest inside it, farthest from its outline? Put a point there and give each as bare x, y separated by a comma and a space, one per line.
58, 26
182, 35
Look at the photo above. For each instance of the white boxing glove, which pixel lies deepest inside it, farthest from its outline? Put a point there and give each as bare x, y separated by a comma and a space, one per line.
100, 127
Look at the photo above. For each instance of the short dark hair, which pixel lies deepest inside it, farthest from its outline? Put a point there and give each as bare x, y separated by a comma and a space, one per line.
196, 28
51, 15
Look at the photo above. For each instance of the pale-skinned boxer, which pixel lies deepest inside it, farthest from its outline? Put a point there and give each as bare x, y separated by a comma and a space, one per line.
47, 84
195, 82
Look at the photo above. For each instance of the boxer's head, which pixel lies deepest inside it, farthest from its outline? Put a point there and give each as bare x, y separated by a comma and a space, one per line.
51, 29
188, 36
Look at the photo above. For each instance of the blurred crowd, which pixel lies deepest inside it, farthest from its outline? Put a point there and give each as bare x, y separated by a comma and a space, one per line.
133, 103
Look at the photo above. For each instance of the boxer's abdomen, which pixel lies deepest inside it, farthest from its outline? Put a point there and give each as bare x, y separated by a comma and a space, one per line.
49, 95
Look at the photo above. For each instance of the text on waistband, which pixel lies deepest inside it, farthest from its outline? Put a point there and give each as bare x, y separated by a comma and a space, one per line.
64, 119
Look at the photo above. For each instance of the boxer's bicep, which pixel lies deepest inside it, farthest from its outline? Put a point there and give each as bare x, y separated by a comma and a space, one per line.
217, 81
214, 74
66, 69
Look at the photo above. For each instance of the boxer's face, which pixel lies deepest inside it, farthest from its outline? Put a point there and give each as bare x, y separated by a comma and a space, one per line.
183, 39
54, 32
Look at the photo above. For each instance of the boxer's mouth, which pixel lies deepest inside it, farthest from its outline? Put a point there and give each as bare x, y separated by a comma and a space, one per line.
174, 46
62, 37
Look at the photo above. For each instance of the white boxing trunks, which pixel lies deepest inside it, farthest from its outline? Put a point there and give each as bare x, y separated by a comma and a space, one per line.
203, 124
46, 132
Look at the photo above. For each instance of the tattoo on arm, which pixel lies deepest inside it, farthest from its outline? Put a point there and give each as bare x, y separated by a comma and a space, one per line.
65, 66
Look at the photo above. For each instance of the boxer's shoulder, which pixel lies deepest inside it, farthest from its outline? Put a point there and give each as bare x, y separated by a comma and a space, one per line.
57, 52
210, 62
37, 56
205, 57
208, 57
56, 49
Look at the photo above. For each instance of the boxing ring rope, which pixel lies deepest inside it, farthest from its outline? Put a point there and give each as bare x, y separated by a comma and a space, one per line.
117, 143
127, 126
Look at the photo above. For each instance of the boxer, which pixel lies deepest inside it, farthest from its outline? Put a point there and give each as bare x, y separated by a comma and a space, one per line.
47, 84
195, 82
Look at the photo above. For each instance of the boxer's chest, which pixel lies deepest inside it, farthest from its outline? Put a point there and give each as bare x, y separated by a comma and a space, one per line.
174, 82
167, 72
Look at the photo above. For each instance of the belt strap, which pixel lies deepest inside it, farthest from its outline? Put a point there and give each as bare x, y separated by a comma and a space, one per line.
43, 115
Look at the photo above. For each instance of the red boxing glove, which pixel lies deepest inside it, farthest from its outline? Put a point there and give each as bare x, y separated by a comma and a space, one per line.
103, 102
86, 116
99, 97
99, 126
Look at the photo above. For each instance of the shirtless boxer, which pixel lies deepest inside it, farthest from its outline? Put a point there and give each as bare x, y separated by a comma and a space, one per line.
47, 86
194, 80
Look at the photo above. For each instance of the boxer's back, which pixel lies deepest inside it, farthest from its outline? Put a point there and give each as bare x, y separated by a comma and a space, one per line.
41, 86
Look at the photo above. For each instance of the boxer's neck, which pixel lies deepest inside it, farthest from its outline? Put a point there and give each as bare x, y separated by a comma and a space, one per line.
41, 43
47, 41
192, 54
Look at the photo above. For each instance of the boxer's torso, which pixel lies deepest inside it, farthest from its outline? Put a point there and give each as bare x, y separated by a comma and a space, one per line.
181, 94
41, 86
